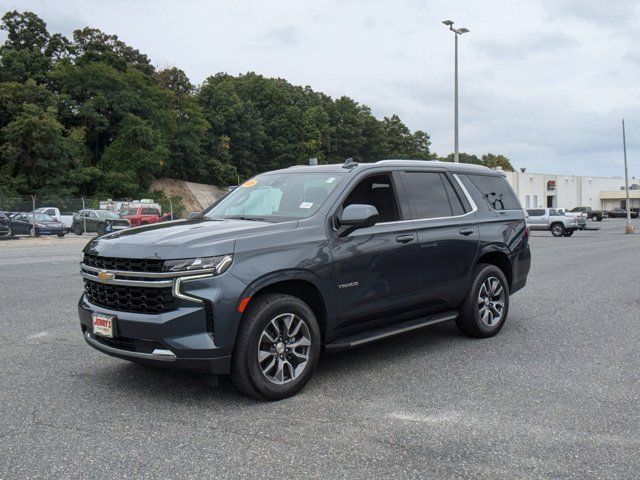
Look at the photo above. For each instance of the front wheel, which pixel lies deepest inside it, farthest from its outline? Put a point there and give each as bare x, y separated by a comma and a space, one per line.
77, 229
277, 347
485, 310
557, 230
595, 218
61, 235
102, 230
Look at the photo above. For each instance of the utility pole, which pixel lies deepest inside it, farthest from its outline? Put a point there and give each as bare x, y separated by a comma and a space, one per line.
457, 32
629, 227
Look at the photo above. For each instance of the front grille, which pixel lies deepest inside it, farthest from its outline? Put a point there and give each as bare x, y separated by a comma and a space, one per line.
124, 264
130, 299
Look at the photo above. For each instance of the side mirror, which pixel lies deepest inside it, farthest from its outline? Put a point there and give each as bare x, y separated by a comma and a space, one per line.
194, 216
358, 216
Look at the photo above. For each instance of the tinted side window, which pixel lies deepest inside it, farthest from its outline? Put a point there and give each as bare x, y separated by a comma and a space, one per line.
427, 195
454, 199
535, 213
496, 191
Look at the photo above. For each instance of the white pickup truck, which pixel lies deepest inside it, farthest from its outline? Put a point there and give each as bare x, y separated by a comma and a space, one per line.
66, 219
559, 225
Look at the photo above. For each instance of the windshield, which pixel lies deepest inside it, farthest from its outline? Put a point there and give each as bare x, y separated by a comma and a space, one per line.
40, 217
274, 197
106, 214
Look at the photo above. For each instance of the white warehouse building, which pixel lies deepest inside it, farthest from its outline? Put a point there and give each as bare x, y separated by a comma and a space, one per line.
569, 191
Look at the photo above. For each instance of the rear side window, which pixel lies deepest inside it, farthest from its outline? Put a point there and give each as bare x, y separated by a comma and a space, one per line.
496, 191
430, 195
150, 211
535, 213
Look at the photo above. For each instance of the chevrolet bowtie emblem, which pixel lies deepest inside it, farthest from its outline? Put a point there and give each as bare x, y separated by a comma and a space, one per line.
105, 276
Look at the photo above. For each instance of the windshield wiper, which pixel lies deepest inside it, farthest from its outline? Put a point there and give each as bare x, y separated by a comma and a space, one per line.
243, 217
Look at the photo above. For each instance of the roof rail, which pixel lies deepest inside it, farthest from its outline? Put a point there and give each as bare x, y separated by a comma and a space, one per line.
349, 163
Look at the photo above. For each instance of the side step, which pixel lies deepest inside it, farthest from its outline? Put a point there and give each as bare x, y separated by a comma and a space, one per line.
389, 331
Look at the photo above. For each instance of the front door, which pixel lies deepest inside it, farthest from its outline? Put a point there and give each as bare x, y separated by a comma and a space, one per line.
374, 268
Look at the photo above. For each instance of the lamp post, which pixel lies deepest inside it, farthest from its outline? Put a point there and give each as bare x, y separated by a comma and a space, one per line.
456, 33
629, 227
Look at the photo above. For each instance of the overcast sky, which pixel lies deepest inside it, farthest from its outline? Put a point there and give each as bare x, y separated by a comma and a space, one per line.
545, 82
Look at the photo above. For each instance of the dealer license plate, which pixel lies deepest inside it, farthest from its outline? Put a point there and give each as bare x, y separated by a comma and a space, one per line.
103, 325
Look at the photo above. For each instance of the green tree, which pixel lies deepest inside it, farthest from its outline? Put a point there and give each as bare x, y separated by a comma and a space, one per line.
38, 153
492, 161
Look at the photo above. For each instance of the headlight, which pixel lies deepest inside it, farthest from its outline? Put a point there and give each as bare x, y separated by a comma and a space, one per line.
220, 264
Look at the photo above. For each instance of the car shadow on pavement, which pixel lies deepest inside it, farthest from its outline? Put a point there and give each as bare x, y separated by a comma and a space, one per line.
175, 386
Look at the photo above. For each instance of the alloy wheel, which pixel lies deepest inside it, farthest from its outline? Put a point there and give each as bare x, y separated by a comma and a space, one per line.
283, 348
491, 301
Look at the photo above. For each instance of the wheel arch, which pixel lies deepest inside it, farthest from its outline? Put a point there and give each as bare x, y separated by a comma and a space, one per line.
301, 284
500, 258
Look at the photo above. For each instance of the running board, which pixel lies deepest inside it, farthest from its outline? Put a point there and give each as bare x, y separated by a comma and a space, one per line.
390, 331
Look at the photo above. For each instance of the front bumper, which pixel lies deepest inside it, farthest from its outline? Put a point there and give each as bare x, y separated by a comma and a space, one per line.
194, 336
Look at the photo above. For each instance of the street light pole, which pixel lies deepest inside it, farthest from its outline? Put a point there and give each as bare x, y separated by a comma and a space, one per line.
457, 32
629, 227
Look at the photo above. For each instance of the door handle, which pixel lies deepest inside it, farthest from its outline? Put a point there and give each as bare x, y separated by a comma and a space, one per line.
466, 231
405, 238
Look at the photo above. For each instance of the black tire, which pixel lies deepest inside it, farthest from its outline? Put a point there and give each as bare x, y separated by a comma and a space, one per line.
61, 235
595, 218
102, 230
77, 229
557, 230
469, 320
246, 371
568, 233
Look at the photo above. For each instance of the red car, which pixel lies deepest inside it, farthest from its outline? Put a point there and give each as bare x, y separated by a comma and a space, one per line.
141, 215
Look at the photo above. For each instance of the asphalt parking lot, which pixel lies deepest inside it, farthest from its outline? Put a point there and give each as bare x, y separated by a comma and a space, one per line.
555, 395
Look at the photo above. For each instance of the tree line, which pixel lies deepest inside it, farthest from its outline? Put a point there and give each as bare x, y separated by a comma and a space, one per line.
91, 116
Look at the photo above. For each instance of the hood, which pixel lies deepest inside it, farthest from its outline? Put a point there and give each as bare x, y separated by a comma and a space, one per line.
181, 238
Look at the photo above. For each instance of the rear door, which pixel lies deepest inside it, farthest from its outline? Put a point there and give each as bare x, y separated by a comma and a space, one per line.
538, 219
448, 235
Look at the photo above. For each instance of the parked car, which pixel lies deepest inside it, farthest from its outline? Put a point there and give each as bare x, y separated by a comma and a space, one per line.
549, 219
53, 212
621, 213
306, 258
100, 221
141, 215
594, 215
22, 224
4, 218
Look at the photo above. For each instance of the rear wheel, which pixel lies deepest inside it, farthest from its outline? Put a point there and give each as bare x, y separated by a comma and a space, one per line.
595, 218
557, 230
485, 310
102, 229
60, 235
277, 348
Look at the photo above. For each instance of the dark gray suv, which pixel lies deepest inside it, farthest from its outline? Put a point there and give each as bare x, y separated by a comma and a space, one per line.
304, 259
